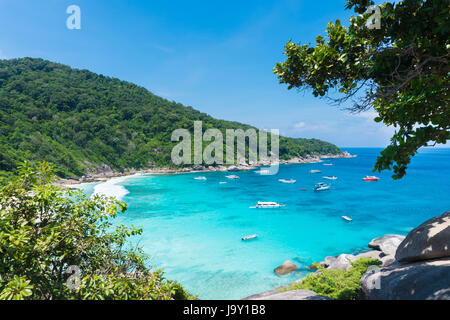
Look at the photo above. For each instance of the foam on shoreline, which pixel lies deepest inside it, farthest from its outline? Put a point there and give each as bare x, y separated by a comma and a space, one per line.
111, 188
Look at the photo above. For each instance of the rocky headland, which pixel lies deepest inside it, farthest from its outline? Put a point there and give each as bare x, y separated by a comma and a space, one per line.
413, 267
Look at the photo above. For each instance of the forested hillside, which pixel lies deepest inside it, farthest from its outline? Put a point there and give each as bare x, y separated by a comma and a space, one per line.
77, 120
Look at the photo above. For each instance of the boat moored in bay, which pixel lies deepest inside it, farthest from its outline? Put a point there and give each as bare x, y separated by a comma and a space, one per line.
268, 204
321, 186
370, 178
246, 238
287, 181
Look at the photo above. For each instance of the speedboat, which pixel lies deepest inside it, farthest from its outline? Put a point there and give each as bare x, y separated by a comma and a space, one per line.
287, 181
253, 236
321, 186
263, 171
330, 178
370, 178
347, 218
200, 178
232, 177
314, 171
268, 204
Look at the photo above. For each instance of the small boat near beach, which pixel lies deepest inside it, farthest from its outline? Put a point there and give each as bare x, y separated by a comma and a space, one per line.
314, 171
232, 177
246, 238
321, 186
370, 178
347, 218
200, 178
287, 181
330, 178
268, 204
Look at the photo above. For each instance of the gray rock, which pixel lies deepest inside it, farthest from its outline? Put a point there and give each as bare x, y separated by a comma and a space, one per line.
343, 261
265, 293
423, 280
374, 254
287, 295
389, 247
387, 260
285, 268
328, 260
430, 240
387, 243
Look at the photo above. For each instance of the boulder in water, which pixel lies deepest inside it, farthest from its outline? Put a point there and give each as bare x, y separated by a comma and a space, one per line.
387, 243
285, 268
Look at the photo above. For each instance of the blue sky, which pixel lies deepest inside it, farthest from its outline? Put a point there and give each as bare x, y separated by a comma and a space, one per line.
216, 56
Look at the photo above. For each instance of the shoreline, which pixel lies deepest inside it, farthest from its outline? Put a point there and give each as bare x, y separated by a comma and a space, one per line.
104, 173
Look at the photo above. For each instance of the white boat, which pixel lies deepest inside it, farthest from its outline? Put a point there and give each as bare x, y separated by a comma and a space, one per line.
222, 182
330, 178
321, 186
347, 218
327, 164
263, 171
232, 177
268, 204
287, 181
200, 178
253, 236
314, 171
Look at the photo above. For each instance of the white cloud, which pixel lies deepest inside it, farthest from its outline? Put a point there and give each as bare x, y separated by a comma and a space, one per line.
302, 127
299, 125
163, 48
371, 114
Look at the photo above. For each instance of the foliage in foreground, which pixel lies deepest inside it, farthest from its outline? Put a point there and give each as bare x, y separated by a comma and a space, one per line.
337, 284
44, 230
401, 70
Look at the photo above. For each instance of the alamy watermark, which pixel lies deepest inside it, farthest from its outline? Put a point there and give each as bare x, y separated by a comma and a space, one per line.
74, 20
74, 280
374, 20
213, 153
374, 277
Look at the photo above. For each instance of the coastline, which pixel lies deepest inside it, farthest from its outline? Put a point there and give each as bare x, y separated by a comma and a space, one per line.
104, 172
419, 257
329, 256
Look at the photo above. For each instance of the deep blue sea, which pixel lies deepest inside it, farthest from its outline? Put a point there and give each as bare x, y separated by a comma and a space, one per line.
193, 228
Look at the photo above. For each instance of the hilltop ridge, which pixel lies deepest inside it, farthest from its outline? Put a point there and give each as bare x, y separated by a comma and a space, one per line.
80, 120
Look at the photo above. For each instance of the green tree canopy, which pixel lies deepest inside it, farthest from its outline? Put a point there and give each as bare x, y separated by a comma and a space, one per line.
79, 120
400, 69
59, 244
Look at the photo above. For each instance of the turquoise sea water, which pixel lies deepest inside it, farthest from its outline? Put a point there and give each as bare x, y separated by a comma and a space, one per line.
193, 228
